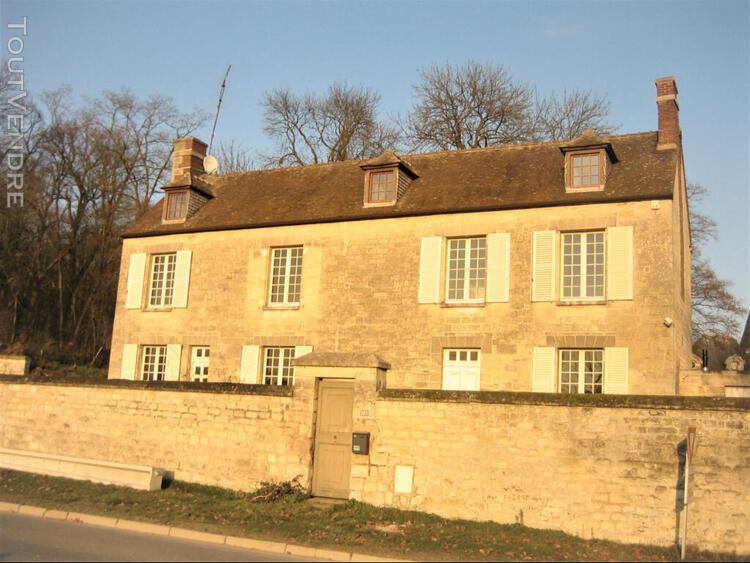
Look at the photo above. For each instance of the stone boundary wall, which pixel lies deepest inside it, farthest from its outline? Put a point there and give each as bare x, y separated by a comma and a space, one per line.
604, 467
225, 439
696, 382
14, 365
607, 471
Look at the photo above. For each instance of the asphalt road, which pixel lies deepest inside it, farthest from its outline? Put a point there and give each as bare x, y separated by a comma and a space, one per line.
29, 538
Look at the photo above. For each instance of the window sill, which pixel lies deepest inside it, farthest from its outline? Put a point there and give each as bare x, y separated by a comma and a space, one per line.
282, 307
389, 203
157, 309
446, 305
572, 190
571, 302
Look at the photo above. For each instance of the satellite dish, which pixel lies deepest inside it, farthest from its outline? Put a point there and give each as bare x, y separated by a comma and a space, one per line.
210, 164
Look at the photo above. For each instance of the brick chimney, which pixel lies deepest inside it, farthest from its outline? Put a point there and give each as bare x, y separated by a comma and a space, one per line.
670, 135
187, 159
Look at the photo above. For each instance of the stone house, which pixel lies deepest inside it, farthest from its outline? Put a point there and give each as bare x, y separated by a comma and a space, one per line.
550, 267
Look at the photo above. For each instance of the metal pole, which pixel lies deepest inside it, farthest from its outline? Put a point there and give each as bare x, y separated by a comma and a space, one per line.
685, 504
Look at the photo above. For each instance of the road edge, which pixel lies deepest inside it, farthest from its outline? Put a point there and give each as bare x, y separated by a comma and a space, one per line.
194, 535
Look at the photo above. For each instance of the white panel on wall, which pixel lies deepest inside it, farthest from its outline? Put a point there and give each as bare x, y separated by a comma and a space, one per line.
430, 260
543, 370
616, 371
544, 266
129, 360
498, 267
403, 482
136, 271
182, 278
620, 263
172, 367
249, 365
300, 351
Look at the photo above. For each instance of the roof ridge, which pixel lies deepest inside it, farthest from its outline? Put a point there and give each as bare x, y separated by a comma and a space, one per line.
513, 146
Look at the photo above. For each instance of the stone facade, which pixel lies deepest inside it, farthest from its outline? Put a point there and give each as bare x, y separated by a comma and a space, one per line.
595, 466
360, 294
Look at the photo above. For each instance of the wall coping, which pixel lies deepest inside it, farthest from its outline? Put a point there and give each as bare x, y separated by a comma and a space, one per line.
180, 386
342, 359
665, 402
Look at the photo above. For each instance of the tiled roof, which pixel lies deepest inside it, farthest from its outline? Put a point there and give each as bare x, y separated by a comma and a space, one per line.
509, 177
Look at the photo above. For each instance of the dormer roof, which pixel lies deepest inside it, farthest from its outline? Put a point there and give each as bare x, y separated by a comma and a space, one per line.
589, 140
387, 159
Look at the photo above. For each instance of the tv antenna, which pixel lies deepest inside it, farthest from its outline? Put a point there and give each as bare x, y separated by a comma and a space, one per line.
210, 164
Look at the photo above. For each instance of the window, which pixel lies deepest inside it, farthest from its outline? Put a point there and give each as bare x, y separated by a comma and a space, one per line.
382, 187
162, 280
581, 371
176, 205
583, 265
286, 276
199, 363
467, 270
461, 369
277, 366
154, 363
586, 171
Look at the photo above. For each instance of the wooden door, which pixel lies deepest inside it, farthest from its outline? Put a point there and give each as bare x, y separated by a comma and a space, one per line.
333, 439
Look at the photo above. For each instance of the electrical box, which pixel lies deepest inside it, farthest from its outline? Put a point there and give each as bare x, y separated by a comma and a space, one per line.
361, 443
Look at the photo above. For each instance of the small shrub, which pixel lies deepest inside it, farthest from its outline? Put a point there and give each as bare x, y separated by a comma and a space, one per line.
270, 491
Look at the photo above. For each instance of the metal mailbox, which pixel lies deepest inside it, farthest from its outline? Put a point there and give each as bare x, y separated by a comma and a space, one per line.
361, 443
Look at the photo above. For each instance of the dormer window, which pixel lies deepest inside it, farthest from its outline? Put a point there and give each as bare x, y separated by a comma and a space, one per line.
588, 160
177, 204
387, 178
586, 170
382, 186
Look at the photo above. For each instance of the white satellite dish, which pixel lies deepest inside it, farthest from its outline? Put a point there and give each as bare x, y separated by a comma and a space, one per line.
210, 164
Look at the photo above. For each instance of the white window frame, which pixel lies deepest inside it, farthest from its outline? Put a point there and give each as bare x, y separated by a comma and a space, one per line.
466, 268
581, 384
276, 375
471, 362
200, 357
584, 265
164, 297
154, 355
286, 275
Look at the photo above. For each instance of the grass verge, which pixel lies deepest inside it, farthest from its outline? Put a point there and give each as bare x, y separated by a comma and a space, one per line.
352, 526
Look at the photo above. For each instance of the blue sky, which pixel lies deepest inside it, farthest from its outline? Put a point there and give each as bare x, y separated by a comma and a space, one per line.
180, 49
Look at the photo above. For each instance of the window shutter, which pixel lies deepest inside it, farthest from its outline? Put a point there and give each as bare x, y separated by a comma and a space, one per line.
430, 260
181, 278
543, 370
620, 263
172, 367
498, 267
300, 351
249, 365
616, 371
544, 266
129, 359
136, 270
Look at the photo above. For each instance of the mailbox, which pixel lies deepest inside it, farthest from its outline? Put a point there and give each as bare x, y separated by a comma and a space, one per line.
361, 443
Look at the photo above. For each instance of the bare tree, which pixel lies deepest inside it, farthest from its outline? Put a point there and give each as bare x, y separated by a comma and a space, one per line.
716, 311
89, 170
469, 106
342, 124
568, 116
233, 157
